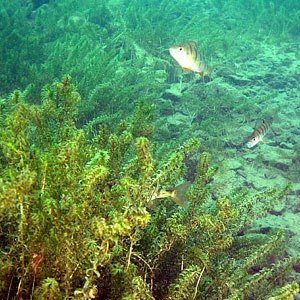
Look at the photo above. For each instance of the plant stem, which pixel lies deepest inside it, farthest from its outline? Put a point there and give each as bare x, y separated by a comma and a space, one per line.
198, 283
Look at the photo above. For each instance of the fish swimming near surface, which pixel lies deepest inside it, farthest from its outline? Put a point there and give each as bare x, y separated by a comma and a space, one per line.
189, 58
259, 133
178, 194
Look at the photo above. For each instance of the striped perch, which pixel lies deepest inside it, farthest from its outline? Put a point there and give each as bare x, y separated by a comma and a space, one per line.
259, 133
189, 58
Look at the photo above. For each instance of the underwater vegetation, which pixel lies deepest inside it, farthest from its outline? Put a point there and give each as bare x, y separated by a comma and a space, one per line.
104, 46
84, 165
79, 220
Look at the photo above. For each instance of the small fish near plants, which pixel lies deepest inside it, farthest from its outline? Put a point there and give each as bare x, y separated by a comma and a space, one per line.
77, 216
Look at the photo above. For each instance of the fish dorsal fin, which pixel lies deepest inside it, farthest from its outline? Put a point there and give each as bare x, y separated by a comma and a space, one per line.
258, 123
193, 44
263, 123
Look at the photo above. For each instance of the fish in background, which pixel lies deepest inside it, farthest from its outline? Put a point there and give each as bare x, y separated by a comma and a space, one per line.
178, 194
259, 133
189, 58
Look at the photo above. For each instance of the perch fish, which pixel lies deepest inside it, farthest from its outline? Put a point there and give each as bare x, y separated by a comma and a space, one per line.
259, 133
178, 194
189, 58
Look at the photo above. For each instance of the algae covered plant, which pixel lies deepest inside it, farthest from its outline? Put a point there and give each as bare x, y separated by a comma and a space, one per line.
124, 177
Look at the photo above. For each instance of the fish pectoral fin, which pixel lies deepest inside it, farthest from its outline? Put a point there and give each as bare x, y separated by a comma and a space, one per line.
201, 74
265, 142
185, 69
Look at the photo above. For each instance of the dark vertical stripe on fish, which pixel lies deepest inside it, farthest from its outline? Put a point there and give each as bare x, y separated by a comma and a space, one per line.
192, 53
190, 50
264, 126
196, 54
267, 125
259, 130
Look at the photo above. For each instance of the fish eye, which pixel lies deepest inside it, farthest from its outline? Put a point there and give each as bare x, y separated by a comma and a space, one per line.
180, 48
253, 139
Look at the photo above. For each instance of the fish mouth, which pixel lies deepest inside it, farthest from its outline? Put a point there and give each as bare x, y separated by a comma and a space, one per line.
249, 145
171, 50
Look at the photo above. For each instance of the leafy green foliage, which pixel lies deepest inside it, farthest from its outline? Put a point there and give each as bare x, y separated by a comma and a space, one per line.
78, 219
81, 40
116, 52
78, 214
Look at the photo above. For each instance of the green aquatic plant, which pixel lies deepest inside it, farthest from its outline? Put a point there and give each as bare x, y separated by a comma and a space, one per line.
84, 41
112, 49
79, 216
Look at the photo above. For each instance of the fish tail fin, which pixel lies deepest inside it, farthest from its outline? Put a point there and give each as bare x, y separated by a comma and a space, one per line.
210, 70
